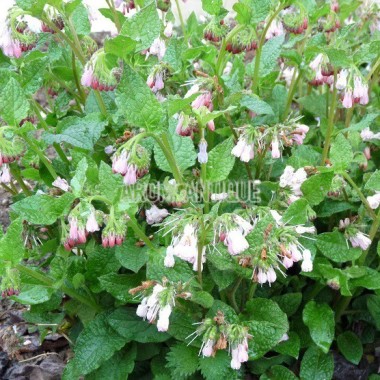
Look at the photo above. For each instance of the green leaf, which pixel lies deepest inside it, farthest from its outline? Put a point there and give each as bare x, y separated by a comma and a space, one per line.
316, 365
118, 367
131, 327
334, 246
119, 285
80, 20
278, 372
217, 367
252, 11
338, 57
95, 345
373, 305
319, 318
173, 54
316, 187
291, 346
34, 294
143, 27
156, 270
371, 280
256, 105
202, 298
79, 178
289, 302
187, 356
31, 78
131, 256
297, 212
267, 323
120, 46
220, 161
350, 346
80, 132
314, 103
43, 209
341, 154
270, 53
182, 149
373, 182
137, 103
14, 105
12, 247
212, 7
110, 184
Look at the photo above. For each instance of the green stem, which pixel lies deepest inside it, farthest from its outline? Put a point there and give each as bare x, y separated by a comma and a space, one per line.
292, 90
330, 123
42, 156
252, 290
232, 295
100, 102
374, 68
201, 244
140, 233
6, 188
15, 171
50, 283
349, 114
255, 84
222, 51
347, 177
81, 93
111, 5
183, 27
164, 144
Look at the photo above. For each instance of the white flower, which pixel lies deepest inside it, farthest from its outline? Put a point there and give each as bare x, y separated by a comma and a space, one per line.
169, 258
163, 318
261, 277
360, 240
275, 148
271, 275
284, 338
288, 73
142, 309
61, 184
303, 230
316, 62
341, 82
374, 200
367, 135
92, 224
5, 174
34, 24
158, 48
202, 155
235, 242
193, 90
243, 150
287, 176
276, 216
155, 215
243, 224
227, 69
208, 348
168, 29
307, 263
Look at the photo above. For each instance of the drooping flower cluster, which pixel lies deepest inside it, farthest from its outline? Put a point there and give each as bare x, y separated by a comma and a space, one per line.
322, 70
158, 48
131, 163
158, 301
115, 230
218, 334
293, 179
10, 282
18, 33
156, 78
10, 151
215, 31
98, 75
184, 245
279, 248
352, 233
231, 229
254, 140
294, 20
354, 88
186, 125
245, 40
54, 17
83, 220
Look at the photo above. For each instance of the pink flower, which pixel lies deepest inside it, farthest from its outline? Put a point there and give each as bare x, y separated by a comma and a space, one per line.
374, 200
92, 224
347, 99
61, 184
203, 100
211, 125
130, 177
208, 348
360, 240
299, 133
120, 163
271, 275
73, 229
5, 174
168, 29
87, 76
155, 215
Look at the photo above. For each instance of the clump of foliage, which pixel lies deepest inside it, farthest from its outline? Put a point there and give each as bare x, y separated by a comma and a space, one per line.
200, 201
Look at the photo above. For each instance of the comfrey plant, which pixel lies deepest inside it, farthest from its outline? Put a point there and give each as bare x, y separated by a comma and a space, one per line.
199, 199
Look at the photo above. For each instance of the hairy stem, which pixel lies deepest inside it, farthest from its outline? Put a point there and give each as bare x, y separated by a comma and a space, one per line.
15, 171
330, 123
